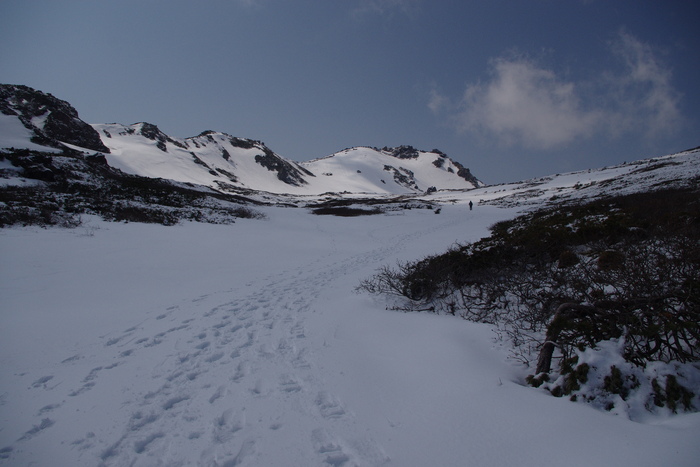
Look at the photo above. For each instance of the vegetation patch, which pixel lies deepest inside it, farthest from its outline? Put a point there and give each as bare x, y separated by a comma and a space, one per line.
58, 188
562, 282
345, 211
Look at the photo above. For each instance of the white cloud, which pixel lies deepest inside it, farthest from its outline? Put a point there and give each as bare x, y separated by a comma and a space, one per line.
644, 94
436, 101
526, 104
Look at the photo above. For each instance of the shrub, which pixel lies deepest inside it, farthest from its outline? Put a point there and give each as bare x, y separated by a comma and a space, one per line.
557, 282
344, 211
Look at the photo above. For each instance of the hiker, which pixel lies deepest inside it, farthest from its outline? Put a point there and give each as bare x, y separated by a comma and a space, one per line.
471, 205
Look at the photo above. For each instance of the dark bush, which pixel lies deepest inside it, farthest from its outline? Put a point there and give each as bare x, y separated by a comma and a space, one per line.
145, 215
561, 281
344, 211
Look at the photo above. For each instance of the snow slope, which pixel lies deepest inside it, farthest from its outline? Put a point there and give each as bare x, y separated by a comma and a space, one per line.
675, 170
142, 345
370, 170
14, 135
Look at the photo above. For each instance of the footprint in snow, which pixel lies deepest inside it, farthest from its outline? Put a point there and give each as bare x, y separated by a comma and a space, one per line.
220, 392
227, 425
246, 454
173, 401
48, 408
141, 445
242, 370
329, 406
36, 429
41, 382
290, 384
260, 388
74, 358
331, 449
214, 357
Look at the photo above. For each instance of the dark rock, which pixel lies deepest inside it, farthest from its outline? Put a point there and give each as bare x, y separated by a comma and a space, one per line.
286, 172
153, 133
61, 122
403, 152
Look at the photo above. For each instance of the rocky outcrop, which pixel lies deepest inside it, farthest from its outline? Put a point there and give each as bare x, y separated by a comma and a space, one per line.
289, 173
52, 121
402, 152
466, 174
403, 177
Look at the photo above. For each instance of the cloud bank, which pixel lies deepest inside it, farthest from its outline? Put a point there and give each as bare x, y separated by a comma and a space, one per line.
526, 104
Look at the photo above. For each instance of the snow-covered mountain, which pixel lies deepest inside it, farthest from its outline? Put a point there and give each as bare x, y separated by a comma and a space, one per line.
35, 120
390, 170
229, 163
212, 159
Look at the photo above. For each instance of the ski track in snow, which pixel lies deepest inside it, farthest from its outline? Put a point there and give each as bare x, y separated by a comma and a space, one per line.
253, 342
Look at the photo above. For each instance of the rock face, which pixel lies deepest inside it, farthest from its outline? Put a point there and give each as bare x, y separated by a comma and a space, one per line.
286, 172
464, 173
402, 152
51, 121
409, 152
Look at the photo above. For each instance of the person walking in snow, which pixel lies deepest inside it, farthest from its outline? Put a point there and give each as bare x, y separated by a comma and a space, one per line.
471, 205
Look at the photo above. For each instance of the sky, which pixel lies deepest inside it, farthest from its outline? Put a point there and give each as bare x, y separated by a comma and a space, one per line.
512, 89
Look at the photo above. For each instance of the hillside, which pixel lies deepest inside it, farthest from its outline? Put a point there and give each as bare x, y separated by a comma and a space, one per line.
389, 170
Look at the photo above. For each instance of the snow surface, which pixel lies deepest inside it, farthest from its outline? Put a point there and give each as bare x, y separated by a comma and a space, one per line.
143, 345
14, 135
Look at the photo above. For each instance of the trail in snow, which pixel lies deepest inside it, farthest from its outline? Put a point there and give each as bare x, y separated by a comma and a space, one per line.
259, 341
225, 378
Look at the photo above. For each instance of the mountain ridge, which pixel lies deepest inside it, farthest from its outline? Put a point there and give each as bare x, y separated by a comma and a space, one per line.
221, 161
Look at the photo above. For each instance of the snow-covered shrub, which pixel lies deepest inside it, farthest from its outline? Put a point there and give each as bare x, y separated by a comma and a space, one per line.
603, 377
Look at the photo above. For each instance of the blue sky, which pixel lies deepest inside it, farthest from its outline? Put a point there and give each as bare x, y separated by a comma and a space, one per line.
512, 89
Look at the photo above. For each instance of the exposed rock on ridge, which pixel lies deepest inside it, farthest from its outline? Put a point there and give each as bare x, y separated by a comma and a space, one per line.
52, 121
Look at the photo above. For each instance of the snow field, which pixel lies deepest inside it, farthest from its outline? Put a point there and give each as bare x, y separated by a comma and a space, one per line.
129, 344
